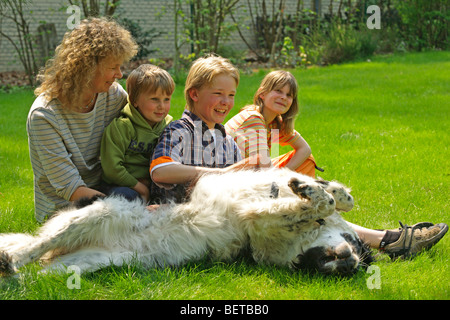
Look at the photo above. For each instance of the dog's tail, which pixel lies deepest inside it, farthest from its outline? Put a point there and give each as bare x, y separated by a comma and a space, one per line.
6, 265
13, 242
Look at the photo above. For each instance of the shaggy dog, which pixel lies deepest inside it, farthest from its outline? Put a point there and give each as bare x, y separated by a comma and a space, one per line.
279, 216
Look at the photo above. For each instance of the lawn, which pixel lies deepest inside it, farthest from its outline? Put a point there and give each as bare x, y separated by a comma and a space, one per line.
380, 127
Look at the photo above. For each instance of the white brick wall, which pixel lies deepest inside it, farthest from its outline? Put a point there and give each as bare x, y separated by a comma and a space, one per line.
148, 13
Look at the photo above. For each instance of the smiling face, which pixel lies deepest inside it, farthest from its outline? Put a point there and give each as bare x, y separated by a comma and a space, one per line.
276, 102
107, 72
153, 106
213, 101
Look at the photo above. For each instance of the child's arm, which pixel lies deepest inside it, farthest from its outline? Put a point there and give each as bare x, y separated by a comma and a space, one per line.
84, 192
166, 168
142, 190
178, 173
115, 141
251, 136
302, 152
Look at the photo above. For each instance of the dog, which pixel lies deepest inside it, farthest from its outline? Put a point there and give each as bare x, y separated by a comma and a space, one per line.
281, 217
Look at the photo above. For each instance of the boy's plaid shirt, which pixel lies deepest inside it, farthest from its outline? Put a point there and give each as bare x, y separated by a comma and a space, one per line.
189, 141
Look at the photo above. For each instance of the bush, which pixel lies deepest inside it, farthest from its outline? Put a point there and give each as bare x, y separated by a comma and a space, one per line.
341, 44
368, 42
292, 57
337, 42
144, 39
424, 23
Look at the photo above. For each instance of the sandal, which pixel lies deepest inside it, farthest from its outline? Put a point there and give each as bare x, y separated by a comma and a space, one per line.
413, 239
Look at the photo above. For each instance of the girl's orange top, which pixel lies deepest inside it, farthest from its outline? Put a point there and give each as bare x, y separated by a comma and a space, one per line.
248, 128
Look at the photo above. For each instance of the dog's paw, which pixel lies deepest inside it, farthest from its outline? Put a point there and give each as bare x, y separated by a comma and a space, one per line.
312, 192
298, 187
340, 193
304, 190
344, 201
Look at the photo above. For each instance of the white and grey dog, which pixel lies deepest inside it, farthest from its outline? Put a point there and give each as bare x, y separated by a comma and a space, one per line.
280, 216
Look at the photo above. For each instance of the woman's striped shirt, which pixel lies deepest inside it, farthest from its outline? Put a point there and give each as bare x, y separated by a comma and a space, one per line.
65, 147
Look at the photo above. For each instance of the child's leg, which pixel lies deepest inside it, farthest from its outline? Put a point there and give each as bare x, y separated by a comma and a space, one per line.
308, 167
125, 192
369, 236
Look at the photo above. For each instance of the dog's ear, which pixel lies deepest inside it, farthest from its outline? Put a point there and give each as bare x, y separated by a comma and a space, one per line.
310, 260
274, 190
297, 263
322, 181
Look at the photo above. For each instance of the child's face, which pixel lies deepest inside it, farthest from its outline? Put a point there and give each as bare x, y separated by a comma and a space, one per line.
213, 102
154, 106
278, 101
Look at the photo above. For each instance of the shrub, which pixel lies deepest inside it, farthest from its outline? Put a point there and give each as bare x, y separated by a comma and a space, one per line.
143, 38
424, 23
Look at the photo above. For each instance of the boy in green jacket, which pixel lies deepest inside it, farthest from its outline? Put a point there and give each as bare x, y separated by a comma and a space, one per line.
128, 142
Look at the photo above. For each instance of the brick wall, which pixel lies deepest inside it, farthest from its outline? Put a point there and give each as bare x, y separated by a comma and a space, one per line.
38, 11
148, 13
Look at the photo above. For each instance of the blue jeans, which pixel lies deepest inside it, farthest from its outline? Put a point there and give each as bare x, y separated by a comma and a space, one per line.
125, 192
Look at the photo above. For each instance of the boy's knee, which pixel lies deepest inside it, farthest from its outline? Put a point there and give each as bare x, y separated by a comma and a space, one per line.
125, 192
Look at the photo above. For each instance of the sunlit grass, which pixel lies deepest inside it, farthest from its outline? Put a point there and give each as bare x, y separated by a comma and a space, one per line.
381, 127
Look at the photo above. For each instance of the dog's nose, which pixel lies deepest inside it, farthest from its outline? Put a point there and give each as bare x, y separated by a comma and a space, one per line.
343, 251
346, 267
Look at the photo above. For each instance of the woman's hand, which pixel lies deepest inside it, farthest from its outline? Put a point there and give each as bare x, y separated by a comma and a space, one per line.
85, 192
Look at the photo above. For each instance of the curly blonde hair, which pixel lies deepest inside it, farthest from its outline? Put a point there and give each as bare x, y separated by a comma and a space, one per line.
276, 80
72, 69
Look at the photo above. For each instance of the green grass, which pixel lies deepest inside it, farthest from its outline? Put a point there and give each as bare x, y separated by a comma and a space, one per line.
381, 127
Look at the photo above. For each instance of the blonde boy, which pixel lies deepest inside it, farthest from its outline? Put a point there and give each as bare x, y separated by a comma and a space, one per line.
198, 143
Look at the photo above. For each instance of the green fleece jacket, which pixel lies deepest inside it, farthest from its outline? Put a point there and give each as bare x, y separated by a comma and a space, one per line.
127, 147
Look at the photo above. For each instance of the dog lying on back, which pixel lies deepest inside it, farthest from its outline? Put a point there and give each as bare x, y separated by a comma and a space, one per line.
281, 217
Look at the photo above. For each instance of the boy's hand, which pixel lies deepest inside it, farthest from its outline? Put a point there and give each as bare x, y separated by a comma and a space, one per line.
142, 190
253, 162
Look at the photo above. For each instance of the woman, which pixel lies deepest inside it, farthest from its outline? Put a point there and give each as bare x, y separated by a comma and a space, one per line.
78, 98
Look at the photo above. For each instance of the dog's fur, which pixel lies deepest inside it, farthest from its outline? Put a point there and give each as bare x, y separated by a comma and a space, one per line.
282, 217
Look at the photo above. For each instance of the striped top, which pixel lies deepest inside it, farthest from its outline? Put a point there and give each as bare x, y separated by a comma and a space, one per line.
65, 147
249, 130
